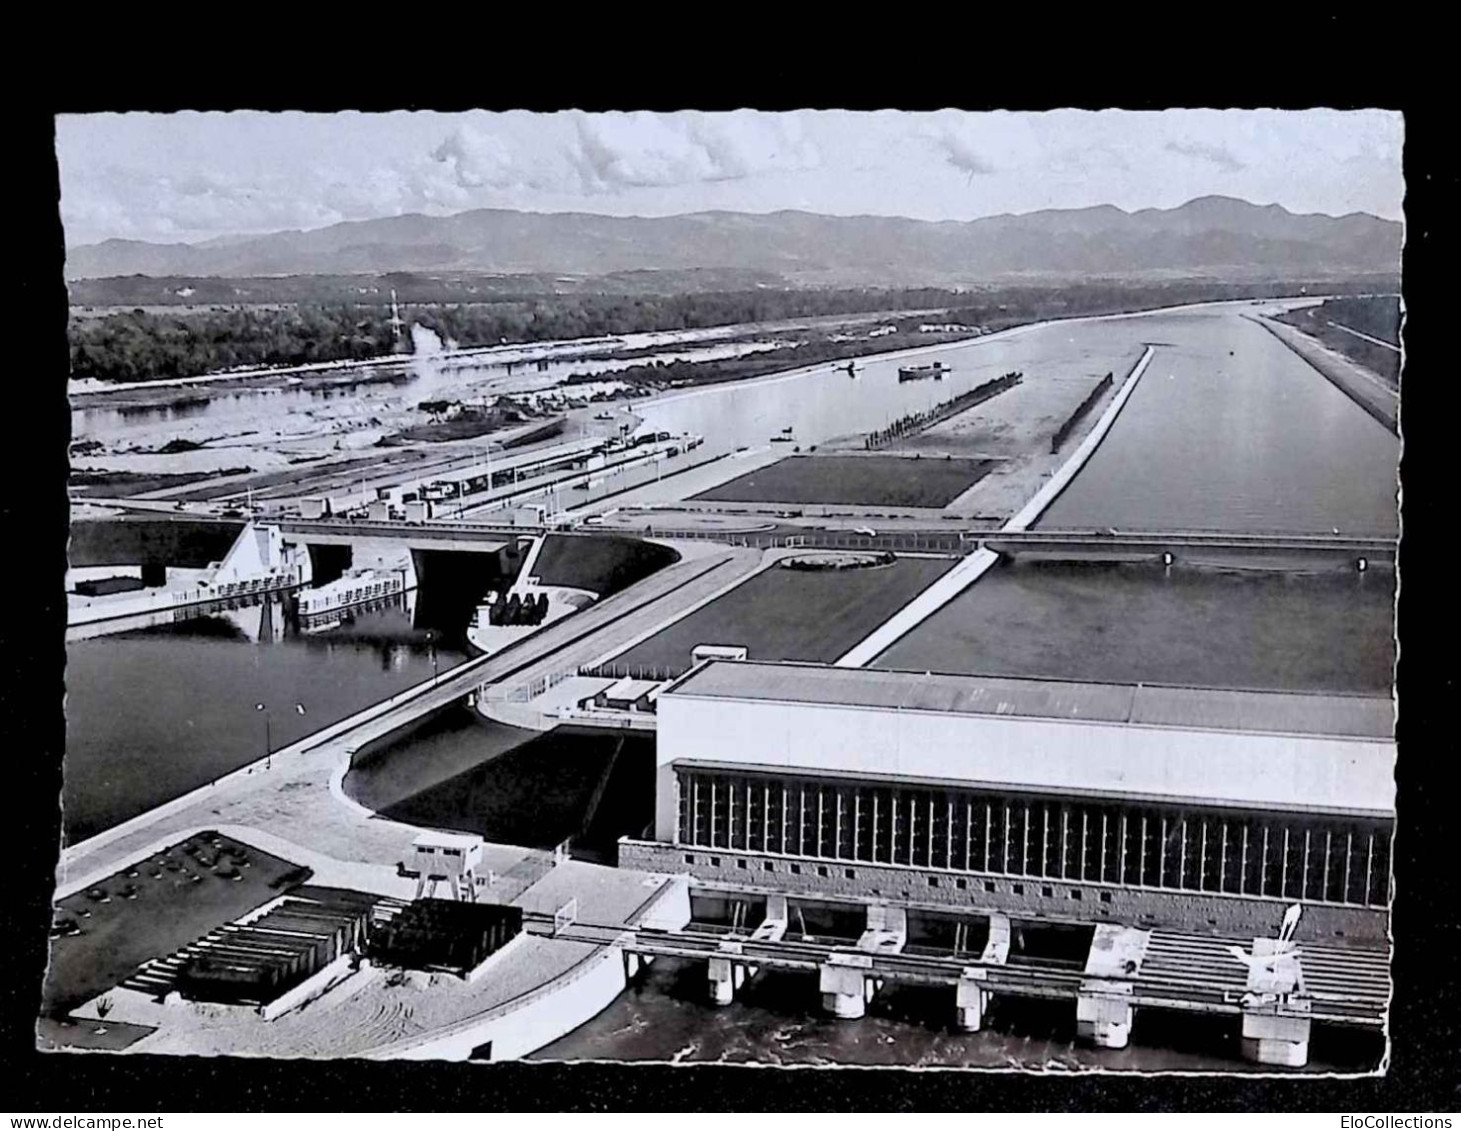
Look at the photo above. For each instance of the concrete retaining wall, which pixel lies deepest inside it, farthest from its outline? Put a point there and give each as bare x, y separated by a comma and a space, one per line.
532, 1020
556, 1008
1062, 434
324, 979
918, 422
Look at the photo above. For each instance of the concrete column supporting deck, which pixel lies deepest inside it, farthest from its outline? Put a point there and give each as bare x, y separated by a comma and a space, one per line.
727, 974
1103, 1013
1276, 1038
997, 946
845, 986
1103, 1009
971, 999
1276, 1019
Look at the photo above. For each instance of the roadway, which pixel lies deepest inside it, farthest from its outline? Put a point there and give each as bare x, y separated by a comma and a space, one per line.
417, 536
251, 795
1366, 337
1374, 548
909, 536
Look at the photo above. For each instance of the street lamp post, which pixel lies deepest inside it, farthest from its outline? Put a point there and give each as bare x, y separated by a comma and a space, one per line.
268, 732
268, 737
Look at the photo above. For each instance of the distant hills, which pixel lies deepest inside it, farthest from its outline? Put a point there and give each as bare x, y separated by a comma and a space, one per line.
1211, 236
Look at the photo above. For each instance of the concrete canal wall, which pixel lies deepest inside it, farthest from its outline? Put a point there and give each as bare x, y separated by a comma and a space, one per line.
530, 1021
1062, 434
1368, 391
558, 1006
972, 568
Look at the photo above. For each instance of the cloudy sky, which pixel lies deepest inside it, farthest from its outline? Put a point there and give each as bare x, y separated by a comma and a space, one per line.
190, 177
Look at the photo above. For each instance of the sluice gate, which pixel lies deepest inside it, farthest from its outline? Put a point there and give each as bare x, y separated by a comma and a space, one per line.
1184, 972
1278, 993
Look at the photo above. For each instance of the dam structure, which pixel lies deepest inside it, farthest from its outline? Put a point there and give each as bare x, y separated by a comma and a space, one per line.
994, 805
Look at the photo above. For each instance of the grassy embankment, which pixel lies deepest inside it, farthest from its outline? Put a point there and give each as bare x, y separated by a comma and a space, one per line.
1377, 317
788, 614
601, 563
890, 481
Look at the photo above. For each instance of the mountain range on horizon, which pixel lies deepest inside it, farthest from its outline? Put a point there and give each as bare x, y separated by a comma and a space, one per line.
1213, 235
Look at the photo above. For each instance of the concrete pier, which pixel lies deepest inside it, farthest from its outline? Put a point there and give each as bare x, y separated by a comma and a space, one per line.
727, 974
1276, 1021
1103, 1013
1103, 1009
1279, 1039
971, 998
843, 981
846, 984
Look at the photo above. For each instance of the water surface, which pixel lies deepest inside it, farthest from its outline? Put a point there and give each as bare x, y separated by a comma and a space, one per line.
155, 713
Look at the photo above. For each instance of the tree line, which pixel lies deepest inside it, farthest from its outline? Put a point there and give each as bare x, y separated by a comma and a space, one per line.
141, 345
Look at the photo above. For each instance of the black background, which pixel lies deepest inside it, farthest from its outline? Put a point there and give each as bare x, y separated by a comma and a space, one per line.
907, 60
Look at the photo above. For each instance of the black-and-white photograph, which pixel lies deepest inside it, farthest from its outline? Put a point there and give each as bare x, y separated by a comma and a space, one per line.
794, 588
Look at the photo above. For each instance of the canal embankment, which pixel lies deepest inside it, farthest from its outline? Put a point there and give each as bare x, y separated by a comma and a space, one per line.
916, 422
977, 564
1367, 390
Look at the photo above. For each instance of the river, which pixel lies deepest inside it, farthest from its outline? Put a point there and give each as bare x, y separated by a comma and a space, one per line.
155, 713
380, 391
777, 1019
1227, 430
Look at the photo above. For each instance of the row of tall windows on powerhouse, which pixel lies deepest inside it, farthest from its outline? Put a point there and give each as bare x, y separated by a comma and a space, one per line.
1181, 848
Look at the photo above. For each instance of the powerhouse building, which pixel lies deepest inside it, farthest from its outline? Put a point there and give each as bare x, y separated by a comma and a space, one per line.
1154, 806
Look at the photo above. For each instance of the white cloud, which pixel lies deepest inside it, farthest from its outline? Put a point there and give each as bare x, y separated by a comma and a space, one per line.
194, 176
474, 159
962, 152
1218, 155
613, 152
